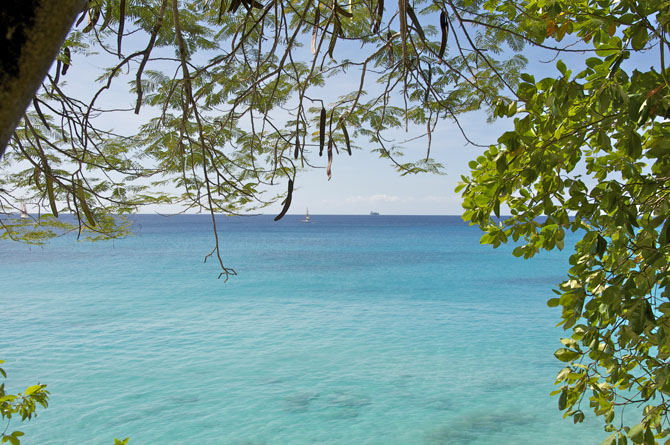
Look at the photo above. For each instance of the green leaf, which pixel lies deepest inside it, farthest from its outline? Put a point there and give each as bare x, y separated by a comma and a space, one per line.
566, 355
562, 399
527, 78
664, 235
553, 302
561, 67
32, 389
636, 433
640, 36
610, 440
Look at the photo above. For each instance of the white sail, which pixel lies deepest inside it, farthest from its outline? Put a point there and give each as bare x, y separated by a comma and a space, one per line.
24, 211
306, 220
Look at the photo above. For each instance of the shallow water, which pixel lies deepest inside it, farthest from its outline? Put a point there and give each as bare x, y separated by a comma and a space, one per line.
348, 330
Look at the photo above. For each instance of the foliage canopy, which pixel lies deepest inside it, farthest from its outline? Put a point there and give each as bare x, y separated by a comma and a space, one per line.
589, 153
240, 97
23, 405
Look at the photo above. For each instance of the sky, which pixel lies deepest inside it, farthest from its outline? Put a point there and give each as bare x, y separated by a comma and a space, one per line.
365, 183
361, 183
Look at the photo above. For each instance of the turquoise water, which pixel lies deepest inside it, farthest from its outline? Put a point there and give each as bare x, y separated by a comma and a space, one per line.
349, 330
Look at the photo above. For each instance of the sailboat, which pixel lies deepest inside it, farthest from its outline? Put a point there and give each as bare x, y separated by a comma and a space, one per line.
24, 211
306, 220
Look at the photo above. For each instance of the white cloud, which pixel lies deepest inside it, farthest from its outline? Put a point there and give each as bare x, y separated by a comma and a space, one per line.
385, 198
388, 203
441, 199
372, 199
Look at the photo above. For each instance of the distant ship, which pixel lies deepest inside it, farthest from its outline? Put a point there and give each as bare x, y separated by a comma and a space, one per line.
306, 220
24, 211
374, 213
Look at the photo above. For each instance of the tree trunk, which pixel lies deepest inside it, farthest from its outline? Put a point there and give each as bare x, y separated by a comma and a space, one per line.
31, 33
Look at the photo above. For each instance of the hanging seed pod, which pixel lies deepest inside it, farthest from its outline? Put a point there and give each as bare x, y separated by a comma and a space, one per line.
36, 178
378, 18
402, 16
51, 194
330, 158
68, 203
107, 17
287, 201
122, 20
322, 130
81, 17
84, 205
93, 16
234, 5
341, 11
415, 21
389, 40
429, 79
315, 31
333, 39
444, 26
58, 70
297, 146
66, 63
346, 138
39, 113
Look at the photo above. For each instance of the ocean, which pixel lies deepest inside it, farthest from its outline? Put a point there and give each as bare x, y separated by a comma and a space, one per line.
347, 330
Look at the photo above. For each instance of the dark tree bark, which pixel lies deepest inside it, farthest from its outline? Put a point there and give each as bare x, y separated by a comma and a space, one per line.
31, 33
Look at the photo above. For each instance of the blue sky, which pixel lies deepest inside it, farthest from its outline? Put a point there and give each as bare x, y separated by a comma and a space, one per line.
363, 182
360, 183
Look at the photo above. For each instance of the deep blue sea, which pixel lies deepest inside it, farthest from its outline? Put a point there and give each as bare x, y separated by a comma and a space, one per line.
347, 330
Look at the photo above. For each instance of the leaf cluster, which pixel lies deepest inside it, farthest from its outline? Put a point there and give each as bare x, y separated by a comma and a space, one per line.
589, 154
240, 96
23, 405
